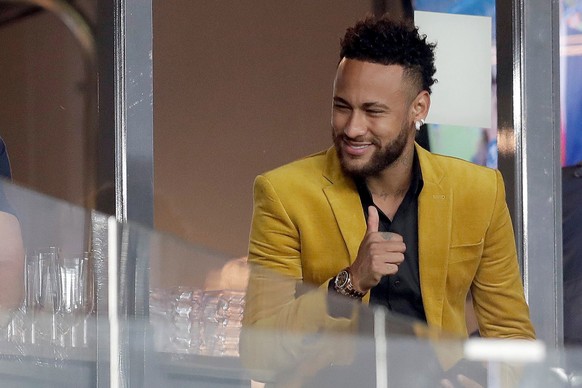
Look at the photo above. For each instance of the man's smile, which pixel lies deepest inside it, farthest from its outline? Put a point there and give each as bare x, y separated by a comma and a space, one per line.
355, 148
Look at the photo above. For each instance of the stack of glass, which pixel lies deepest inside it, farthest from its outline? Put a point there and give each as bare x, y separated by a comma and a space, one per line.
193, 321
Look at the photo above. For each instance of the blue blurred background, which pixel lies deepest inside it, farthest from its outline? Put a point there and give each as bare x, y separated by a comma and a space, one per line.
482, 142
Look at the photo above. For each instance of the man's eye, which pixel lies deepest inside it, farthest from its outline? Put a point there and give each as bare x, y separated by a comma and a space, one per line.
374, 112
341, 107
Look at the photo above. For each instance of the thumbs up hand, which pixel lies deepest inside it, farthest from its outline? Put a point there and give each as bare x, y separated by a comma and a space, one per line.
380, 254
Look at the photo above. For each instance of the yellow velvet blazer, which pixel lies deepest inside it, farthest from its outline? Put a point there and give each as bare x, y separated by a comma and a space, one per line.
308, 223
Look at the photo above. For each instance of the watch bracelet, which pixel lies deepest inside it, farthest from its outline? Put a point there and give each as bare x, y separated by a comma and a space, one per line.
349, 292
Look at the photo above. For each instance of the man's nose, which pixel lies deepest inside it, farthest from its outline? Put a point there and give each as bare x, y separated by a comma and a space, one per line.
356, 125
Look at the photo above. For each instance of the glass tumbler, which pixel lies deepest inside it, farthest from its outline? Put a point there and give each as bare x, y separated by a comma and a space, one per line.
49, 297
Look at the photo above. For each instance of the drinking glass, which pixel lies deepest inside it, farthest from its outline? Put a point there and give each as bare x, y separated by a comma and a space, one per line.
76, 295
23, 326
48, 303
70, 313
89, 329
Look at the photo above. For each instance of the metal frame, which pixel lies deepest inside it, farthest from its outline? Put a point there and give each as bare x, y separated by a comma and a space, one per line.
126, 108
134, 122
529, 151
528, 95
528, 100
126, 172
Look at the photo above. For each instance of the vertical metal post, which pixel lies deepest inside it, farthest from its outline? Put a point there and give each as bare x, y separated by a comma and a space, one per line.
125, 171
529, 150
134, 111
126, 110
101, 242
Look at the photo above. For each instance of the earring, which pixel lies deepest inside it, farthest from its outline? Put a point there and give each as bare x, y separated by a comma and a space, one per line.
418, 123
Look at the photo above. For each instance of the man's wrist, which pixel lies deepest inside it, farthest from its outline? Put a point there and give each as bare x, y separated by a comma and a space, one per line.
343, 285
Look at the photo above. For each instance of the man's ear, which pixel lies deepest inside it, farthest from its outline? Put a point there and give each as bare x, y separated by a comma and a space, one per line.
420, 106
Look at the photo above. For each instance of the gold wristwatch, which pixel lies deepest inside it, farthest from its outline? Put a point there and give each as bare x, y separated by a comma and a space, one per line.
343, 285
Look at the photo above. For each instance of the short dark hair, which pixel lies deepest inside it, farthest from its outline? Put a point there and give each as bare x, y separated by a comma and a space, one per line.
390, 42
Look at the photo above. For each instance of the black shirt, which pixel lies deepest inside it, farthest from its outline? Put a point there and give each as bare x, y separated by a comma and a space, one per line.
400, 292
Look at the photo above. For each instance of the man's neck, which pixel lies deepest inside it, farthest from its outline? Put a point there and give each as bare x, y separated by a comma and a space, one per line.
389, 188
395, 179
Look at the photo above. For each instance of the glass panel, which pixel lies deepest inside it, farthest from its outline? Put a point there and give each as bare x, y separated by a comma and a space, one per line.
174, 314
49, 331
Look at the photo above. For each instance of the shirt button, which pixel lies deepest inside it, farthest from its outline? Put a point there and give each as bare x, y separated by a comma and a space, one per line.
396, 283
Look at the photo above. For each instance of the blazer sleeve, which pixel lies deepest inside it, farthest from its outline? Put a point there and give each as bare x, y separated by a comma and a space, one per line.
497, 288
282, 329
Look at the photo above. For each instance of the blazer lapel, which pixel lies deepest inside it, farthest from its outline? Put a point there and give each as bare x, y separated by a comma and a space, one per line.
345, 204
434, 234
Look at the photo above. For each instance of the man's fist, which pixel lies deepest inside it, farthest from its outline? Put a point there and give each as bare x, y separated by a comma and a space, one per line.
380, 254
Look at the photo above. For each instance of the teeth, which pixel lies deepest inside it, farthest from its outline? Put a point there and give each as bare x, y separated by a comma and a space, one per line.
358, 146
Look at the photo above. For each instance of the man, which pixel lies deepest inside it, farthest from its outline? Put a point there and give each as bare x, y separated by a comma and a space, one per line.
379, 219
11, 248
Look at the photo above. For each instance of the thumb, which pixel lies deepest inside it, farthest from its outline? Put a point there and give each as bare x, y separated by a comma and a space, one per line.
373, 219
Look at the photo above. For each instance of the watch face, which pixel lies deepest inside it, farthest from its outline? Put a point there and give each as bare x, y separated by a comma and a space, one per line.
342, 279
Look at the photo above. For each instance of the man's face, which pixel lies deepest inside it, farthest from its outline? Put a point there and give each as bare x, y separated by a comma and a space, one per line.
372, 116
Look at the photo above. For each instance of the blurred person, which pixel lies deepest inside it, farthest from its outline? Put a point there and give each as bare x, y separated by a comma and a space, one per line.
11, 246
378, 219
572, 248
232, 276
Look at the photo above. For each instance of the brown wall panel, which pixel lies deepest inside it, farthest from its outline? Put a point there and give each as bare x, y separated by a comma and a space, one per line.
240, 87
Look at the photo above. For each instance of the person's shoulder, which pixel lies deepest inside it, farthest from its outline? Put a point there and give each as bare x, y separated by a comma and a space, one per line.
305, 175
465, 178
313, 164
456, 166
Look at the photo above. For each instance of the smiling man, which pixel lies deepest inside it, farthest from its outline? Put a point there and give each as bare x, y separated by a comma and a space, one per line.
378, 218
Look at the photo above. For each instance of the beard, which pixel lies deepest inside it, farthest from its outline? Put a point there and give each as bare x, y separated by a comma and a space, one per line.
381, 159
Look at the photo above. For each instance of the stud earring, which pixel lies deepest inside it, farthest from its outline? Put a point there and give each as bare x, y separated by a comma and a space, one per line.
418, 123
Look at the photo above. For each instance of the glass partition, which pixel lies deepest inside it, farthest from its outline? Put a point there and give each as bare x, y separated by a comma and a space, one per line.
49, 337
108, 304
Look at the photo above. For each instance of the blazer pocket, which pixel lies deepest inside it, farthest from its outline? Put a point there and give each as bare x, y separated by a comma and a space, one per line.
464, 252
